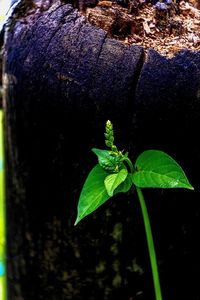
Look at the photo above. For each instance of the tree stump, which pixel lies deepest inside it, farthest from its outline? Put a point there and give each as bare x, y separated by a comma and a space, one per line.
63, 79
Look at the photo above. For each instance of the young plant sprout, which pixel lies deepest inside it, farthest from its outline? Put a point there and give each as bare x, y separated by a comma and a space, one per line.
115, 174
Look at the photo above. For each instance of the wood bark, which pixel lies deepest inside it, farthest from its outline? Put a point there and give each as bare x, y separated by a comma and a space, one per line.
63, 79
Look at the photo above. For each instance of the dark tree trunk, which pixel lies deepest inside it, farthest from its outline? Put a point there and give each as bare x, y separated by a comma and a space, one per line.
63, 79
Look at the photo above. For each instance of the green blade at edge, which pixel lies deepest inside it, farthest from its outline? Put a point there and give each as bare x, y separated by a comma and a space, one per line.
3, 285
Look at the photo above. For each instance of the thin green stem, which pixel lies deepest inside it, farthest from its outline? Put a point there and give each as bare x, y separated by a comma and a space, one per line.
129, 163
151, 247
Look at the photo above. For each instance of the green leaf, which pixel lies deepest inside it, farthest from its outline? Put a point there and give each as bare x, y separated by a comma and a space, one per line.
125, 186
114, 180
93, 194
102, 154
106, 160
158, 170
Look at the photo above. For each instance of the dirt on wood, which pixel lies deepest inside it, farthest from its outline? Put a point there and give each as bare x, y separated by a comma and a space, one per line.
166, 26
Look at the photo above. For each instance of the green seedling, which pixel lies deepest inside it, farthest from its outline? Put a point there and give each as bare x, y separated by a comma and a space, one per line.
115, 174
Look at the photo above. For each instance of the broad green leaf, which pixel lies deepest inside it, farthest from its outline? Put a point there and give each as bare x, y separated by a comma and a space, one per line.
112, 181
158, 170
93, 193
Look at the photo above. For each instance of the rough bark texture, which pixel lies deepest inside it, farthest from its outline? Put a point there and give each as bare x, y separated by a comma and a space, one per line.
63, 79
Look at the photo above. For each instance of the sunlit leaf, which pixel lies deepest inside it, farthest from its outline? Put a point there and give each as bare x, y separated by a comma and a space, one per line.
93, 193
158, 170
125, 186
112, 181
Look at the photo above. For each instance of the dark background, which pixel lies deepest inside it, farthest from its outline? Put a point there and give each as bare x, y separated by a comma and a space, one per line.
63, 80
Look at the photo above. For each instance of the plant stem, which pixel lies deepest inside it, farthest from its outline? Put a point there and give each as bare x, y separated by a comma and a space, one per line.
132, 169
151, 247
